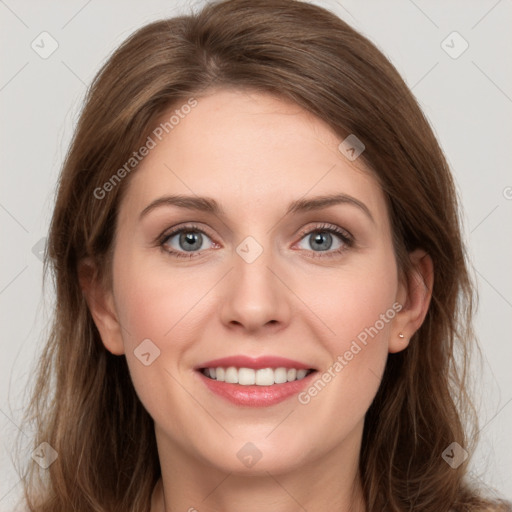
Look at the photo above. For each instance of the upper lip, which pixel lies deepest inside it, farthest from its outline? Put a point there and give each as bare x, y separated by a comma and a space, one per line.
256, 363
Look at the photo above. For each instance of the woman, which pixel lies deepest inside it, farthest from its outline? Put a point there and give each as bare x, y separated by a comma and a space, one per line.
206, 355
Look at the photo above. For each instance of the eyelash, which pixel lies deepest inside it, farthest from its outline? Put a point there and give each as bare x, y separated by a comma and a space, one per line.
345, 237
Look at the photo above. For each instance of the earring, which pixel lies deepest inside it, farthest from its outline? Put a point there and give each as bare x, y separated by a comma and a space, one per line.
401, 336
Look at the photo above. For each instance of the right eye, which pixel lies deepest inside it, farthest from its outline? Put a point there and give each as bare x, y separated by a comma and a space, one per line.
184, 242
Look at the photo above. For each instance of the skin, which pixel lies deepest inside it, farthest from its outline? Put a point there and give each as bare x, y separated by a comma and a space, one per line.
254, 154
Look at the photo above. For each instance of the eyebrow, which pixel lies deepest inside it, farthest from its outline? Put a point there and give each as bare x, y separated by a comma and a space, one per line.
209, 205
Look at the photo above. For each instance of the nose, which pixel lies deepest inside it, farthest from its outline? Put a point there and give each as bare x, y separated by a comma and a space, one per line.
255, 295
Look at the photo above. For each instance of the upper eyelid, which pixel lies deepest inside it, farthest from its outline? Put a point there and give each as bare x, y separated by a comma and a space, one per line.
320, 226
326, 226
176, 230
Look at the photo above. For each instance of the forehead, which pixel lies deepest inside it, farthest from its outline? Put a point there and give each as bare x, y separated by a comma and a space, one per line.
248, 150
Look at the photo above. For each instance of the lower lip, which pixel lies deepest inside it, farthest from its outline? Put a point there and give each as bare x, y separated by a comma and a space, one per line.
256, 396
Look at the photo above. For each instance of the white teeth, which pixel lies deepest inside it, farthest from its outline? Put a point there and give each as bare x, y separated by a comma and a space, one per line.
219, 374
261, 377
231, 375
246, 376
301, 374
280, 375
265, 377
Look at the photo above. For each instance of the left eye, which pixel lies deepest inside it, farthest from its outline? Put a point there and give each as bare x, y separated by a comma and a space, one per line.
322, 240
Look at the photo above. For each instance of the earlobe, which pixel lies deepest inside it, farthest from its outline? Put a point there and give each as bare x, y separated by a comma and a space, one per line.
100, 302
415, 294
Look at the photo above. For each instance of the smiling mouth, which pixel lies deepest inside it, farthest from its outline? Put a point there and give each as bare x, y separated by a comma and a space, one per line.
250, 377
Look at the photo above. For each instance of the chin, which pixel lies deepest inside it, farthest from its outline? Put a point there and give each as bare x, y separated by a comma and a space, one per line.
259, 456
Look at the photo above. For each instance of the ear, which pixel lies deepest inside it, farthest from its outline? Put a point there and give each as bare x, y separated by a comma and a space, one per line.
414, 294
101, 305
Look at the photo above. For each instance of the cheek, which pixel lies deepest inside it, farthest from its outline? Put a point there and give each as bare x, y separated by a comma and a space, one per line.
166, 307
157, 315
358, 307
356, 303
153, 302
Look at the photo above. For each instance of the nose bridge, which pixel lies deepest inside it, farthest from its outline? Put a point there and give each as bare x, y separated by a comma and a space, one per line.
255, 296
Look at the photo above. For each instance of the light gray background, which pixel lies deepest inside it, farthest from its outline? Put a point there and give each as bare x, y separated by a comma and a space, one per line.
468, 101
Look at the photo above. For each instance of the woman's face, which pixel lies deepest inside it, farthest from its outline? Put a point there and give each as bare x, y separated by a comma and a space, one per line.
272, 273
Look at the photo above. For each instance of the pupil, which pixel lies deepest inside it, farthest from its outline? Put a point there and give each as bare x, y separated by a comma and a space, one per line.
191, 241
325, 237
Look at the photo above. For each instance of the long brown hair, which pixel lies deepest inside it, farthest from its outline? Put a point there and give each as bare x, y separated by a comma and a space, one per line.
84, 404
